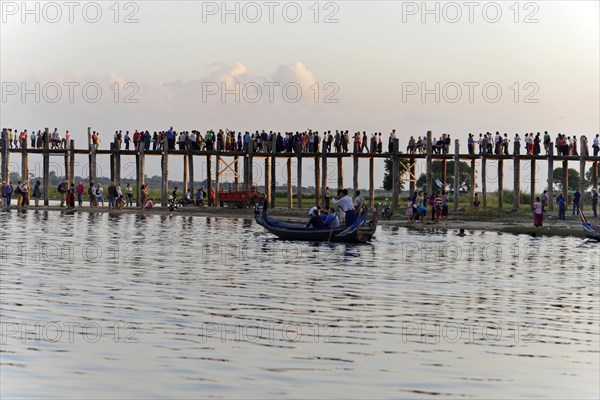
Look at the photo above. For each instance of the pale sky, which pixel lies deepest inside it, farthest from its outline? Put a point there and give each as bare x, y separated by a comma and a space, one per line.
179, 50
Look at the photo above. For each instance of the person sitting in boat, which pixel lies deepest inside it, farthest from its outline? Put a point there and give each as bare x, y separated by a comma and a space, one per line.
315, 221
344, 202
332, 220
312, 210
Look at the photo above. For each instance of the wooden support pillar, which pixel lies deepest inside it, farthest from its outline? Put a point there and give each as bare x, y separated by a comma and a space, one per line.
186, 173
140, 172
517, 181
473, 182
71, 160
68, 176
299, 179
112, 146
165, 172
268, 193
250, 174
532, 181
413, 172
324, 168
118, 164
274, 171
371, 182
289, 182
318, 181
217, 176
500, 182
444, 172
355, 160
565, 180
5, 157
595, 175
190, 168
209, 178
582, 157
456, 173
92, 158
236, 168
483, 182
24, 163
46, 177
429, 166
395, 173
551, 177
340, 171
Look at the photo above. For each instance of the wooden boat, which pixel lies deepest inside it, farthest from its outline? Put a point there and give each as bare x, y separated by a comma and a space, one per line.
591, 231
360, 232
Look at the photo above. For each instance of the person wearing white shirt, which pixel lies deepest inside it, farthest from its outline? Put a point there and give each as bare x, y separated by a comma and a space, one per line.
344, 202
312, 210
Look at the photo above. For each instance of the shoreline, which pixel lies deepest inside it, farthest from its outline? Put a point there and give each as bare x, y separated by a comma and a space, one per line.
514, 223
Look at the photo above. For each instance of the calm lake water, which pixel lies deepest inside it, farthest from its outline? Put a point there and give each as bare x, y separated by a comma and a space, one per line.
132, 306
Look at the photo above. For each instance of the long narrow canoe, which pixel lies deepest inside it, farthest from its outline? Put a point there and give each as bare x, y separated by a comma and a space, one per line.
360, 232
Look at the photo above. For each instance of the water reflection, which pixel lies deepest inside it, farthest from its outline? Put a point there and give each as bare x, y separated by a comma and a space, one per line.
216, 307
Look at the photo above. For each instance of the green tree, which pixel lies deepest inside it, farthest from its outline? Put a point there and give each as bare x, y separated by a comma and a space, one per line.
464, 176
573, 176
589, 177
387, 177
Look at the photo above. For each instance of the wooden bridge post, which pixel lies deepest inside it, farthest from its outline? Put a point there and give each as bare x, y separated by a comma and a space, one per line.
217, 153
456, 173
429, 166
551, 177
412, 176
140, 164
46, 177
340, 171
24, 162
68, 174
565, 172
268, 178
186, 172
113, 147
395, 173
371, 182
582, 156
190, 162
165, 171
250, 175
324, 168
5, 157
236, 168
500, 182
595, 175
532, 181
274, 172
92, 158
209, 178
483, 182
355, 160
318, 180
118, 164
289, 182
299, 179
72, 159
517, 181
444, 172
473, 183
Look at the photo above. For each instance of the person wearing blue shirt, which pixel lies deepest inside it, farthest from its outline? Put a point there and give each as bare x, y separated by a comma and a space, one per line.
576, 198
332, 220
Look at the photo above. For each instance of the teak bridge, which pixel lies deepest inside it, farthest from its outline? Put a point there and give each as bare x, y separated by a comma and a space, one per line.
227, 163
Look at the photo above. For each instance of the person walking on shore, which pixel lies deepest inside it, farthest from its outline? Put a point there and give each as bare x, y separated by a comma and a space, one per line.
80, 190
576, 198
99, 195
595, 202
327, 196
538, 212
562, 207
37, 192
129, 194
112, 195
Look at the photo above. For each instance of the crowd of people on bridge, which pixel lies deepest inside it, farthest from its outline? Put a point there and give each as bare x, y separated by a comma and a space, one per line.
309, 141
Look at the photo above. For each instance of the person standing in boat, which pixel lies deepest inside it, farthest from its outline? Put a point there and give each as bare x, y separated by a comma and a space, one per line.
344, 202
359, 203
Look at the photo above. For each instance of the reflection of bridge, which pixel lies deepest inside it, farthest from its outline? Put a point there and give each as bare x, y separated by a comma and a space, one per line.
227, 164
